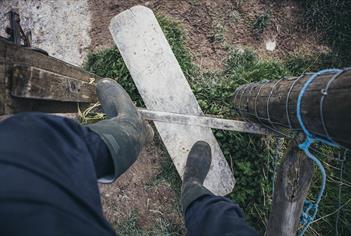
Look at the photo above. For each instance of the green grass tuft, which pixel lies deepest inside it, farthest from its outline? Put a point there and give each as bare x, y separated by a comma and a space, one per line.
130, 226
332, 19
162, 227
260, 24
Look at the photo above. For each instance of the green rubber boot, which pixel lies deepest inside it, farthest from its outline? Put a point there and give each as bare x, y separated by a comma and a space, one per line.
125, 133
196, 169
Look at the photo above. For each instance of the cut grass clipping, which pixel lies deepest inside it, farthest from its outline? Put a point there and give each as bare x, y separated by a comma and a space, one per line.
253, 158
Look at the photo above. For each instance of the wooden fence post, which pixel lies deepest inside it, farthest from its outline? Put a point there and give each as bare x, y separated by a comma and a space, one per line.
325, 104
291, 187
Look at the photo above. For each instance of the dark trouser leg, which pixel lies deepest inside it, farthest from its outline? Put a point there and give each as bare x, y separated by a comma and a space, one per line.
214, 215
205, 213
49, 167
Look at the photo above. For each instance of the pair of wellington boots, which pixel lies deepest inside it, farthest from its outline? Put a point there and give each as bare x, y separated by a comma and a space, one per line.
125, 133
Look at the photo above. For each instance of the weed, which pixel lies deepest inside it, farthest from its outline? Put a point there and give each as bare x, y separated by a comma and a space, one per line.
335, 208
129, 226
299, 64
260, 24
163, 227
234, 16
91, 114
217, 35
332, 19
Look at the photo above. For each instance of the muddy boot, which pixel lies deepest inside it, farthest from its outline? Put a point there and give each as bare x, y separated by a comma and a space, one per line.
125, 133
196, 169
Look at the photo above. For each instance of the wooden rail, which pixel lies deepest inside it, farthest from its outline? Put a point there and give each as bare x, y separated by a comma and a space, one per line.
325, 112
33, 81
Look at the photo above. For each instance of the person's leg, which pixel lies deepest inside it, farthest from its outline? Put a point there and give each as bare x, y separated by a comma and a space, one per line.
49, 166
125, 133
48, 169
215, 215
205, 213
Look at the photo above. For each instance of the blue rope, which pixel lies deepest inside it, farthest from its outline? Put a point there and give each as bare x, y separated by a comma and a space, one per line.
310, 209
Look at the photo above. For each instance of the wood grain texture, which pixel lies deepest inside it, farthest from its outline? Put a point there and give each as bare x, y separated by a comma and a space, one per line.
25, 56
36, 83
272, 104
2, 78
291, 187
12, 55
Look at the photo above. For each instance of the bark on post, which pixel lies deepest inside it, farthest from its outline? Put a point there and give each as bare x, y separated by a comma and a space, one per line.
274, 104
291, 187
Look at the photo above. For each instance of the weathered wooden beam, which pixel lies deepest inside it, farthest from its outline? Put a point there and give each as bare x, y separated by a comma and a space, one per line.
74, 116
204, 121
19, 55
36, 83
291, 187
274, 104
43, 67
2, 78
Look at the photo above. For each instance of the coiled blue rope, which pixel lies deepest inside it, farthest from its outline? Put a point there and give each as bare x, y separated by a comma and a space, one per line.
310, 209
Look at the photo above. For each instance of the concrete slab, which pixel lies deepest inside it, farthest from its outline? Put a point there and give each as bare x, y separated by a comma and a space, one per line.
163, 87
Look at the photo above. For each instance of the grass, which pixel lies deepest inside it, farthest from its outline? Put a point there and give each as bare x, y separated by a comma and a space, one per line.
334, 203
260, 24
129, 226
162, 227
168, 172
332, 19
90, 114
217, 34
253, 158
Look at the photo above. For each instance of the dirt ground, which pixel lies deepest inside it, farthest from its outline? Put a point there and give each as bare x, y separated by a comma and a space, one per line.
139, 191
212, 25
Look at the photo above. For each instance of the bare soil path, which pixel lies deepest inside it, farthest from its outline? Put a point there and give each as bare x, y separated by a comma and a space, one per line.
142, 193
212, 25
